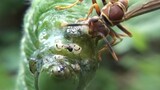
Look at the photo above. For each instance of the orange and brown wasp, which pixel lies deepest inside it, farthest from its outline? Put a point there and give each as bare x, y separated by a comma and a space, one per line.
112, 14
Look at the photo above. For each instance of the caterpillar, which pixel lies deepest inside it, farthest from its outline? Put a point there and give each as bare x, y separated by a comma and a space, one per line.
55, 58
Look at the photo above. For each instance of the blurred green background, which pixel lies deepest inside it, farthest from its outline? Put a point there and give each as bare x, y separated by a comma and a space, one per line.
138, 68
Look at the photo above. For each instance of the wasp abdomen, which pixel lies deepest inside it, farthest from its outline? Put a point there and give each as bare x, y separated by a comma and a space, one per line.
115, 13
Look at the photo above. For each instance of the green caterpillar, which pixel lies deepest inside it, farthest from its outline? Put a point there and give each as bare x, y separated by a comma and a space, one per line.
56, 58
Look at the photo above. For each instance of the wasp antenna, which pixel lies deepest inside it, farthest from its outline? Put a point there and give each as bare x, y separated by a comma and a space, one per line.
76, 24
109, 46
64, 24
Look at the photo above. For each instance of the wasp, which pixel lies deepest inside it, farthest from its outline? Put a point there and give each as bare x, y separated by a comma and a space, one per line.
112, 14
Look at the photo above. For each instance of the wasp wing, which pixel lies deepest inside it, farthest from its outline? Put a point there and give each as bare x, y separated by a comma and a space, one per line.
149, 6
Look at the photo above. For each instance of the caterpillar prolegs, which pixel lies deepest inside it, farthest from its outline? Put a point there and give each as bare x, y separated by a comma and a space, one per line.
56, 58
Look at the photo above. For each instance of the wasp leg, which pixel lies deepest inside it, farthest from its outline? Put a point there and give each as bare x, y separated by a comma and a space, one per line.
104, 2
100, 52
98, 11
113, 36
105, 48
94, 6
109, 46
117, 42
69, 6
124, 30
